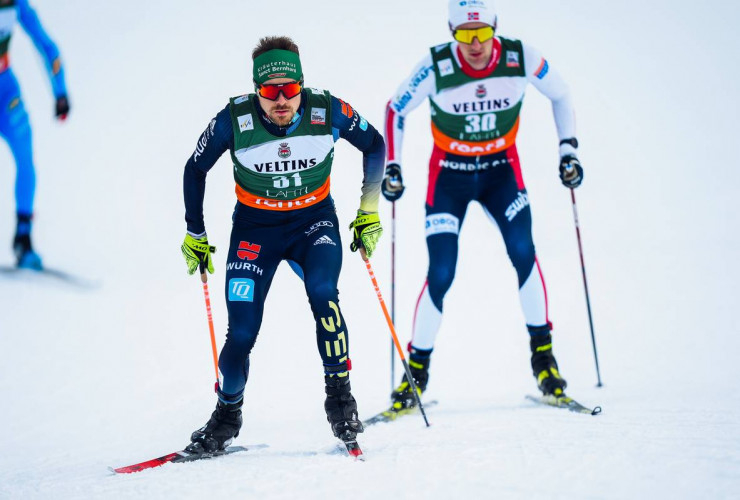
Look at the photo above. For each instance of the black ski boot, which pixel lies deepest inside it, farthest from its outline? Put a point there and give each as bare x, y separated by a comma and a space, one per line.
402, 396
220, 430
25, 256
544, 366
341, 408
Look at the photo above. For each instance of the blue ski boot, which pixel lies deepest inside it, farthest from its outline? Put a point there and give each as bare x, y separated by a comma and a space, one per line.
26, 258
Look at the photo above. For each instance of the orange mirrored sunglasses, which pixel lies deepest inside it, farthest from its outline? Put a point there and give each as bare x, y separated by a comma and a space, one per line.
271, 92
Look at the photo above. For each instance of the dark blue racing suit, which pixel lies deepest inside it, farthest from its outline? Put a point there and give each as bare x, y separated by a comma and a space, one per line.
308, 238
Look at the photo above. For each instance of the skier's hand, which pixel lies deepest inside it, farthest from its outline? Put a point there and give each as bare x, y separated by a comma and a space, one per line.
571, 172
366, 231
61, 108
392, 186
197, 252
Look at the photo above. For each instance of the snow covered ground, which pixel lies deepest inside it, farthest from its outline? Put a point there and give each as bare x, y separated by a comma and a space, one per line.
122, 373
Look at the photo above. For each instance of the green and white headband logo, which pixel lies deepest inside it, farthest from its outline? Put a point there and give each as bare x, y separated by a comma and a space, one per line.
277, 63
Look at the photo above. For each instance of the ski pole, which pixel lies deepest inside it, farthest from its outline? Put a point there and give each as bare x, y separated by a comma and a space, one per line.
393, 334
393, 288
585, 285
204, 280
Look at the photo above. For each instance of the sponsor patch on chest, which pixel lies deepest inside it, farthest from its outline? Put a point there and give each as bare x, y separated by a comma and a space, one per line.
445, 67
318, 116
283, 150
512, 59
245, 122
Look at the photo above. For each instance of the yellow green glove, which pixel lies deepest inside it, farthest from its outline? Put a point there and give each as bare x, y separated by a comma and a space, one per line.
197, 253
366, 231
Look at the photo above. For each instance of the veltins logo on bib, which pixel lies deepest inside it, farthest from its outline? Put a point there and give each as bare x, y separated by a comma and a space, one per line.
480, 91
283, 150
241, 290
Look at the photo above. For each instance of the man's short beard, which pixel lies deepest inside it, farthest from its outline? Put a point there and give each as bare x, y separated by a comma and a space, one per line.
278, 120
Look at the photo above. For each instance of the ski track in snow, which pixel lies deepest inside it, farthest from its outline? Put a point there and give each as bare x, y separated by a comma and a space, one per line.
511, 447
121, 373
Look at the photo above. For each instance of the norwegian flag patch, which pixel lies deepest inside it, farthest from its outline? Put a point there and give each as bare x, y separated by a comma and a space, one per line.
542, 70
473, 16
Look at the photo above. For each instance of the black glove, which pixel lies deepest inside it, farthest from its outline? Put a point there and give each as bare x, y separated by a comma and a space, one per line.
392, 186
571, 172
62, 108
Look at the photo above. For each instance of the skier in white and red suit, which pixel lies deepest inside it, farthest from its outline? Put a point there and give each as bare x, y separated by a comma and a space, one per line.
475, 85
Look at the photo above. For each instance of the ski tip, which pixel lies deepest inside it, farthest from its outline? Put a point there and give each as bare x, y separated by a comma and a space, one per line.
565, 402
252, 446
126, 470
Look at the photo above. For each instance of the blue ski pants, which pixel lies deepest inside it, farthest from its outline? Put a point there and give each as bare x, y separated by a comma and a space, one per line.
16, 130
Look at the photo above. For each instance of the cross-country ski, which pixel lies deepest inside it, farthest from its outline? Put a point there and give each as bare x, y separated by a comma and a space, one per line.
180, 457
